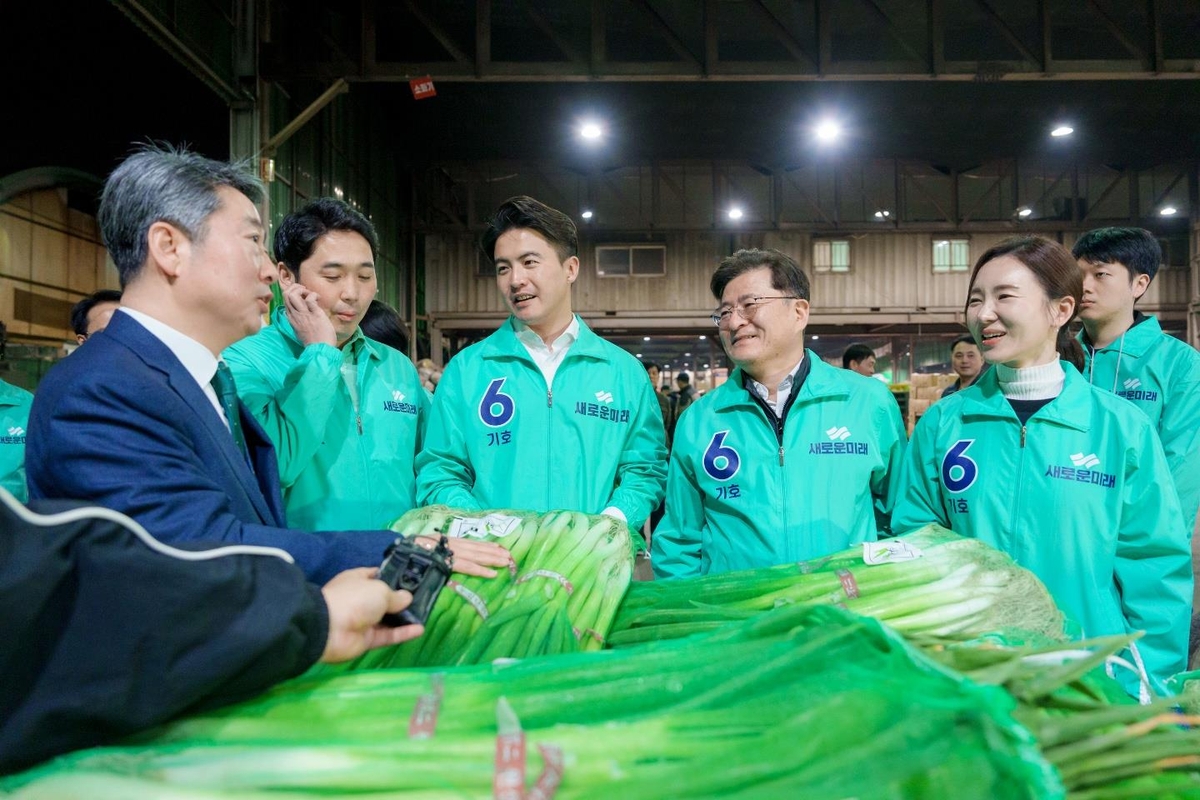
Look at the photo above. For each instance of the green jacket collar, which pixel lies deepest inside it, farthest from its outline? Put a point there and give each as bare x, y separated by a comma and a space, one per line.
823, 383
1135, 342
984, 399
357, 342
504, 344
13, 395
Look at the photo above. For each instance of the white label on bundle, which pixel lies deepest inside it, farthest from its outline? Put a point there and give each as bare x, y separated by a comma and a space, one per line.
889, 552
497, 525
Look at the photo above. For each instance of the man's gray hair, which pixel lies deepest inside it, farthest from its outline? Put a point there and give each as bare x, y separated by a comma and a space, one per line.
161, 183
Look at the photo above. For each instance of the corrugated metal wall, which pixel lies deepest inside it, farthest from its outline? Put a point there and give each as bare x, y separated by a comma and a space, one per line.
888, 271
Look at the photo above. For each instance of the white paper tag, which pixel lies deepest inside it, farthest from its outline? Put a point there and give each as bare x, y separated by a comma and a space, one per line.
889, 552
497, 525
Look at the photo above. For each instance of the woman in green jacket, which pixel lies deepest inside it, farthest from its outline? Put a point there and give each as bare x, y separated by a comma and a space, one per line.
1069, 480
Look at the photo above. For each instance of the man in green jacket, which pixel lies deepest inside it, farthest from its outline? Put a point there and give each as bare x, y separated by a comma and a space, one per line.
790, 458
345, 413
543, 414
1128, 354
14, 418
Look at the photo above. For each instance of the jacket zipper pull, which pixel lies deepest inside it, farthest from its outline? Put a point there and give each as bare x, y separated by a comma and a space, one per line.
1022, 436
358, 420
549, 399
781, 455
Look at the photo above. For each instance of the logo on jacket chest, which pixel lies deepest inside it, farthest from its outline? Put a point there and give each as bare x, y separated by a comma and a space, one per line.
1084, 468
603, 408
1132, 390
399, 404
16, 435
836, 444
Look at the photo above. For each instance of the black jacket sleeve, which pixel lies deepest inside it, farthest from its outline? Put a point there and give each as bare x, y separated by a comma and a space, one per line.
106, 633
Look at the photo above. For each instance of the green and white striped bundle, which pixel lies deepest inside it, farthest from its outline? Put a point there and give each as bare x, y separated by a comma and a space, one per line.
929, 582
571, 571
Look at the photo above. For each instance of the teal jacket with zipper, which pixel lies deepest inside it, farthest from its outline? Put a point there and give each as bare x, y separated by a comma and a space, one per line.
744, 492
14, 419
1160, 375
342, 464
1080, 495
500, 438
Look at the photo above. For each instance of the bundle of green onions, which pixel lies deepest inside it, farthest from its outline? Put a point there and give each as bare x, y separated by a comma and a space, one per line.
1103, 745
802, 702
929, 582
571, 571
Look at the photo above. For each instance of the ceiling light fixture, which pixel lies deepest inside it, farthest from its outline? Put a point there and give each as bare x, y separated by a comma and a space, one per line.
828, 130
1168, 211
1061, 131
590, 131
735, 213
587, 214
1024, 211
882, 213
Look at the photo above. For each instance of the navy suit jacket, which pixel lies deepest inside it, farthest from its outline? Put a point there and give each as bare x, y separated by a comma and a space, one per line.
121, 424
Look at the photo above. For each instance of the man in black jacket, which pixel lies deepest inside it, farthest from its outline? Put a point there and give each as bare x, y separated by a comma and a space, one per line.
108, 631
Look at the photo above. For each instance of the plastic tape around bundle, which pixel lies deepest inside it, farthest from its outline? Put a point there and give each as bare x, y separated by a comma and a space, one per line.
508, 782
561, 580
423, 722
496, 525
475, 601
552, 774
849, 585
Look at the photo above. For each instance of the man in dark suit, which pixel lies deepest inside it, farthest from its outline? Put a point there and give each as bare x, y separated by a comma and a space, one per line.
144, 419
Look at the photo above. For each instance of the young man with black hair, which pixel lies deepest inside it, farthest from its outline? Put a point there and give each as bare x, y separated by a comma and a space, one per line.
91, 314
1126, 352
859, 358
543, 414
346, 414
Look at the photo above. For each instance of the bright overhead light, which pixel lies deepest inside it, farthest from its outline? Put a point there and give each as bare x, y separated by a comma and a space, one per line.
637, 355
1168, 211
828, 130
687, 354
816, 336
735, 213
702, 338
590, 131
706, 366
1062, 130
586, 214
1024, 212
882, 213
645, 338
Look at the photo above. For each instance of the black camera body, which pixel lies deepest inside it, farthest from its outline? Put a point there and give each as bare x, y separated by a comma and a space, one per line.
407, 565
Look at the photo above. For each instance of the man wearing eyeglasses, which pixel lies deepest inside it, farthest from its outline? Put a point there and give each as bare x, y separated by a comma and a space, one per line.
790, 458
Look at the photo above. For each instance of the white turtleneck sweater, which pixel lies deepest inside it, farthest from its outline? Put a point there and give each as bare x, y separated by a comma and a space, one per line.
1043, 382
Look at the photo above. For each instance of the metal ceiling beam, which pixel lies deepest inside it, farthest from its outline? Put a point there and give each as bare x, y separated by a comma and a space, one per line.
665, 30
435, 30
1033, 62
781, 33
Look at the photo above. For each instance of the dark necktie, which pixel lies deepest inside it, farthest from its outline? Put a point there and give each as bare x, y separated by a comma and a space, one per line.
226, 391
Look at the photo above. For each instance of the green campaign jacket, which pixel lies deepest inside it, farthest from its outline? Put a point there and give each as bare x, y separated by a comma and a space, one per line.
1081, 495
14, 417
1160, 375
500, 438
341, 467
737, 498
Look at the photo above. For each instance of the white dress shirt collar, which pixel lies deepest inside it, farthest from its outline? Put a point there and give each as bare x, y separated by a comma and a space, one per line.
782, 393
197, 359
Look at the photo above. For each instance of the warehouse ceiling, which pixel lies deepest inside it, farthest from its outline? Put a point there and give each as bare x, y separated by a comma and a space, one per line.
954, 83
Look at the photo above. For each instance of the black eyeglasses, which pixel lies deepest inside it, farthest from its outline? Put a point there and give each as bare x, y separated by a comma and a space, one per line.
723, 316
